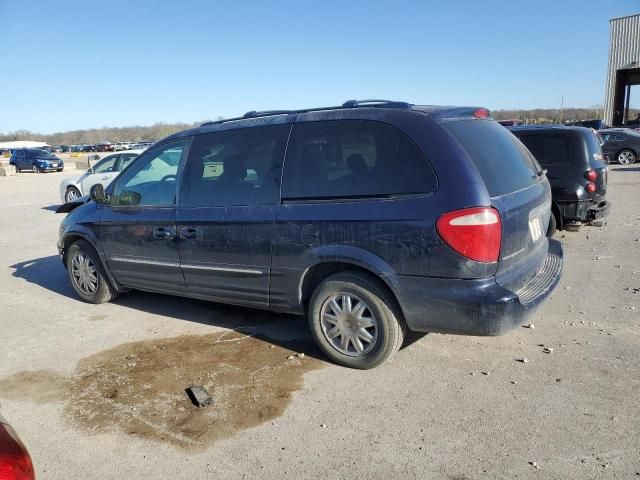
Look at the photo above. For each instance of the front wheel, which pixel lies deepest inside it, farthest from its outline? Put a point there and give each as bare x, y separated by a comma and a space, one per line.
71, 194
355, 321
626, 157
87, 276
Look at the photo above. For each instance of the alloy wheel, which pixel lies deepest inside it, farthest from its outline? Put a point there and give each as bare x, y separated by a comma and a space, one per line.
84, 273
626, 157
349, 324
72, 194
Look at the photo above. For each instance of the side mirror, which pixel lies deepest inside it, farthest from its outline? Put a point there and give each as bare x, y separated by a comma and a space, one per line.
90, 170
96, 193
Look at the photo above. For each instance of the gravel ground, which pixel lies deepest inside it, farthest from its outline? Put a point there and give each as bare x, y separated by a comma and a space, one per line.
95, 391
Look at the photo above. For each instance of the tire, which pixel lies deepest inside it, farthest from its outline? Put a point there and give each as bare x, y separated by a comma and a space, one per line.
626, 157
102, 291
386, 328
71, 192
553, 225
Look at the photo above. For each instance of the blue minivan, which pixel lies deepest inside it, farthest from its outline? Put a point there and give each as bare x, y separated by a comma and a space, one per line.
372, 218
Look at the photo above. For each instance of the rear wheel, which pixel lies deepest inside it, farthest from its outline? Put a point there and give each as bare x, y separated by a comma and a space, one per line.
87, 276
355, 321
71, 194
626, 157
553, 225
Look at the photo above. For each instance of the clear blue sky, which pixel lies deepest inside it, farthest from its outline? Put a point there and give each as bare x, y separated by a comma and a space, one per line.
82, 64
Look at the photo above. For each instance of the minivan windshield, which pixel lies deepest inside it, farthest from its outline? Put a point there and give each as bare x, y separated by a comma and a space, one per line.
502, 160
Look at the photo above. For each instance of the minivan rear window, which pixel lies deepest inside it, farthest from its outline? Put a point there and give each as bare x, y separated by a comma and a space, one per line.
502, 160
549, 149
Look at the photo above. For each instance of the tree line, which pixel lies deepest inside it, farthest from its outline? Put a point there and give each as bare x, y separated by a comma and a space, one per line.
94, 136
556, 115
160, 130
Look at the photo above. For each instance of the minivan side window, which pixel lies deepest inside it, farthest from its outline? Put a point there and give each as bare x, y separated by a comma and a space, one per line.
548, 149
351, 159
152, 179
235, 167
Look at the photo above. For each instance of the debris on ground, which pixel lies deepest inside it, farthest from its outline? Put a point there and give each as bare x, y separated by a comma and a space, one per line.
531, 326
534, 465
547, 350
522, 360
199, 396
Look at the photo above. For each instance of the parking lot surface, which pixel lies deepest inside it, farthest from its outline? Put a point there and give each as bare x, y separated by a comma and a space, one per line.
97, 391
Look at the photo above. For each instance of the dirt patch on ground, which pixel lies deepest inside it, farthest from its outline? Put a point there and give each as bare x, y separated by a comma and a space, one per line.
139, 388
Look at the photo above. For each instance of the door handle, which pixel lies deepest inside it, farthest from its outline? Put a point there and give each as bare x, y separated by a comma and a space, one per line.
163, 232
189, 233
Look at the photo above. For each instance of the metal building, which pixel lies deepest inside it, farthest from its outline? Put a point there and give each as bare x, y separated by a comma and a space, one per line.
624, 68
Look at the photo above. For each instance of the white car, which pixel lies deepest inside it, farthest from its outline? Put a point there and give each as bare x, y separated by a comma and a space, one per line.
102, 172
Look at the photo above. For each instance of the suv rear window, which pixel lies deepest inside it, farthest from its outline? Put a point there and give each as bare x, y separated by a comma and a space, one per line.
351, 159
548, 149
503, 162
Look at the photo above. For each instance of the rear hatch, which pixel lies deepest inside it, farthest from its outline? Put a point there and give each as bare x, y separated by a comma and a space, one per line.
519, 191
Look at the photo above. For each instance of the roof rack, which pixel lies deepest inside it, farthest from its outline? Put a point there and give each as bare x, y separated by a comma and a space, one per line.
266, 113
375, 103
347, 104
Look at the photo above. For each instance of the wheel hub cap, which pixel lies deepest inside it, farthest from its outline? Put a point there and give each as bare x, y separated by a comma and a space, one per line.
349, 324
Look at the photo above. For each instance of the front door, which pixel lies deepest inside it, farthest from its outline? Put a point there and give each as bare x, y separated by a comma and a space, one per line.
138, 228
228, 204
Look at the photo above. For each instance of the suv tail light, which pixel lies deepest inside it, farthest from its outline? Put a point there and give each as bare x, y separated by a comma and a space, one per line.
591, 175
590, 188
15, 462
474, 233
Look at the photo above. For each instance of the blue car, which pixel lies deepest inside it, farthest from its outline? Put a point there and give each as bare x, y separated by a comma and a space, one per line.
372, 218
36, 160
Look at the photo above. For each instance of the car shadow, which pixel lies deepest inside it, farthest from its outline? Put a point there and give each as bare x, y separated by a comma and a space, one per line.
47, 272
284, 330
625, 169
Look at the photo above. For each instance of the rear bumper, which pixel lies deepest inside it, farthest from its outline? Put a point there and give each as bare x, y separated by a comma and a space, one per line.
584, 211
474, 307
598, 212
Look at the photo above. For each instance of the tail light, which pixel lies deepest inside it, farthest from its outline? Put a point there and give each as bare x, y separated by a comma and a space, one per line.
591, 175
15, 462
590, 188
474, 233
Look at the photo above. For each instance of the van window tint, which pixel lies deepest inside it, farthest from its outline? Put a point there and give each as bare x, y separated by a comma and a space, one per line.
235, 167
152, 180
502, 160
351, 159
548, 149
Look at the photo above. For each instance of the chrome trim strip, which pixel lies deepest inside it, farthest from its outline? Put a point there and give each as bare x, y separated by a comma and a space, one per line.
139, 261
145, 262
224, 269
